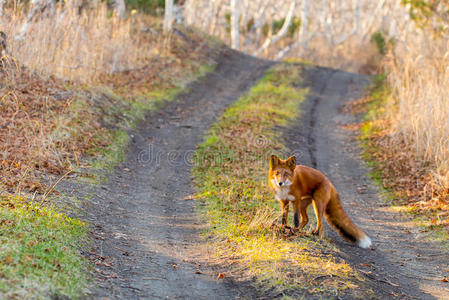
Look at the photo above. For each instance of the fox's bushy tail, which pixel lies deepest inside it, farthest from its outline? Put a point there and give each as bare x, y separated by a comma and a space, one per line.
340, 221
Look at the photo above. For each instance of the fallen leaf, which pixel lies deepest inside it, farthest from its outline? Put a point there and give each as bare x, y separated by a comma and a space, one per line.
444, 279
175, 266
221, 275
8, 259
198, 272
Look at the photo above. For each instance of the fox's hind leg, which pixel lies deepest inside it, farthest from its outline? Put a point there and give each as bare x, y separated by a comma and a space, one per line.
301, 208
321, 197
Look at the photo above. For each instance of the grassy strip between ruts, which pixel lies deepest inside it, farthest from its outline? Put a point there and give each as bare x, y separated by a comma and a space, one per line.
231, 173
39, 252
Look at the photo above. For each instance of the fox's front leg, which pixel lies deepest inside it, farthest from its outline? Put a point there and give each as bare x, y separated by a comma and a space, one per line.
284, 208
296, 214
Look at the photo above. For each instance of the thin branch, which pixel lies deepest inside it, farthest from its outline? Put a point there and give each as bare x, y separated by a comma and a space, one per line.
282, 31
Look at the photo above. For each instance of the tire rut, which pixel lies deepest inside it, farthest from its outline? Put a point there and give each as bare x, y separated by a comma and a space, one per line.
146, 230
401, 264
320, 86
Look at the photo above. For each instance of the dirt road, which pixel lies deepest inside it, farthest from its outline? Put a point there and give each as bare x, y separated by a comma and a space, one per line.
403, 264
146, 232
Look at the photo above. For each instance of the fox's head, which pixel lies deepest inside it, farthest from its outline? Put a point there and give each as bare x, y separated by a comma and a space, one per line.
281, 171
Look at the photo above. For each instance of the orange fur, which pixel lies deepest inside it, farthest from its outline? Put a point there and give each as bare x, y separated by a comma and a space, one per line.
302, 186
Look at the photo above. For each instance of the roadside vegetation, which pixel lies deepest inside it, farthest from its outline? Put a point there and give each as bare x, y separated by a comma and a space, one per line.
40, 251
72, 85
406, 129
406, 178
231, 175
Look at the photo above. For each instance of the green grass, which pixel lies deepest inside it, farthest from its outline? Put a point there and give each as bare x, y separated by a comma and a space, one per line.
376, 107
230, 172
375, 111
39, 252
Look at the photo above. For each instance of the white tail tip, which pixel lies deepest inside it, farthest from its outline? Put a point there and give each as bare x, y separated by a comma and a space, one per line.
365, 242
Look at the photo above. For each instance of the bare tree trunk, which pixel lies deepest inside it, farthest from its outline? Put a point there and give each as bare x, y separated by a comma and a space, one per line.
38, 7
168, 16
288, 20
235, 37
216, 8
2, 2
120, 8
304, 20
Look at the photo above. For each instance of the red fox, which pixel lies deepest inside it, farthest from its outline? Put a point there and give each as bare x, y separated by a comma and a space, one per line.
302, 186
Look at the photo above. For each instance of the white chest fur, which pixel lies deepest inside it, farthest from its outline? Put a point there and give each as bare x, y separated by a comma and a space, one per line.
283, 193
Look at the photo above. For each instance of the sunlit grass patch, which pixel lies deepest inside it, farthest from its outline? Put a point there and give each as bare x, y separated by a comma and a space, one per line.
39, 251
230, 171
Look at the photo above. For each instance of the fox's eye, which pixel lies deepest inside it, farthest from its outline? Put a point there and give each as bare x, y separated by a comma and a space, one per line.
277, 173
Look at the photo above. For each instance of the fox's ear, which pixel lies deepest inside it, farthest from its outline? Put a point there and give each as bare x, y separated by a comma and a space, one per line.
274, 161
291, 162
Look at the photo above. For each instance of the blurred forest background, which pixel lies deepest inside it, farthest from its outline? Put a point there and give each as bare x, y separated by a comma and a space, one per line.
405, 40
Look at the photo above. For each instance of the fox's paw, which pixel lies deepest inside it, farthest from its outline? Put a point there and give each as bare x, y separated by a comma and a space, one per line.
365, 242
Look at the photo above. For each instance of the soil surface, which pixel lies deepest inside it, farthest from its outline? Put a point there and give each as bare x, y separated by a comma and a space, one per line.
401, 263
147, 237
147, 242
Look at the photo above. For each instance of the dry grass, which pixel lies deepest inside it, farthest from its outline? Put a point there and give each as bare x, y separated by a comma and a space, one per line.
419, 80
82, 47
353, 55
408, 176
407, 120
30, 110
411, 125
